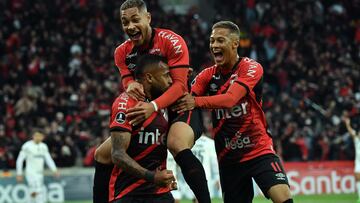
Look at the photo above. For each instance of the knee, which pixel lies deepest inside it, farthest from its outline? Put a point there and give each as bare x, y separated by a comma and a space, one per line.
177, 141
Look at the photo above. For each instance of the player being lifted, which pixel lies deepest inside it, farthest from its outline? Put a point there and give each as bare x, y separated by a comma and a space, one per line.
243, 144
186, 127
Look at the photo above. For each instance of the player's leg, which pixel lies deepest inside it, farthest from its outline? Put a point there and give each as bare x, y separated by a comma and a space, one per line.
35, 188
357, 178
236, 184
181, 138
103, 169
270, 175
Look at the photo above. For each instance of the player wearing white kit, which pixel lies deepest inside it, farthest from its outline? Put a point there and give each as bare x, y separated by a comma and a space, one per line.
356, 137
35, 153
204, 150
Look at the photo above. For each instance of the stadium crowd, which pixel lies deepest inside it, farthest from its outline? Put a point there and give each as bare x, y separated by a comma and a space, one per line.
57, 71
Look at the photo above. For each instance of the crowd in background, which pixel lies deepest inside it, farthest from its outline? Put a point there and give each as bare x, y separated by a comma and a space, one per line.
57, 71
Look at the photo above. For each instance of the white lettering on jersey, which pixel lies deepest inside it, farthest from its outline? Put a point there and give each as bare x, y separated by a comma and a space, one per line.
151, 137
122, 104
173, 39
235, 111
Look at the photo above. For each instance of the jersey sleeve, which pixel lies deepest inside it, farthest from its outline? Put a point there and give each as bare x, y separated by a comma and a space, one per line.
177, 52
177, 55
249, 74
201, 82
118, 120
119, 58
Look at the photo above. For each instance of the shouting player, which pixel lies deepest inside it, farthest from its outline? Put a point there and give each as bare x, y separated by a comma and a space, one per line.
186, 127
243, 144
139, 152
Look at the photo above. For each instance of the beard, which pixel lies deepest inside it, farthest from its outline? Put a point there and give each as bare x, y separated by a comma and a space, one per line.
156, 92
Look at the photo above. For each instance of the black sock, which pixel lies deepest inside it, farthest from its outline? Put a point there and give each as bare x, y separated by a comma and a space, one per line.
289, 201
194, 175
101, 182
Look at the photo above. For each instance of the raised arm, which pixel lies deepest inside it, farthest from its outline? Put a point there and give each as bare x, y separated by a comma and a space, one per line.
349, 128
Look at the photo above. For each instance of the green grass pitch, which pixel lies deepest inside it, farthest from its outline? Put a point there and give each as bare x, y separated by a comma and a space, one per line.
333, 198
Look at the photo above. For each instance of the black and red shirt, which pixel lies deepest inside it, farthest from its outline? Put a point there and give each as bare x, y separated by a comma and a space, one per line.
240, 132
165, 43
146, 147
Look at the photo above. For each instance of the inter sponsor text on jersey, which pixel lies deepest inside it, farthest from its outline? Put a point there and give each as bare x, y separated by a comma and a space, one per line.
240, 132
146, 147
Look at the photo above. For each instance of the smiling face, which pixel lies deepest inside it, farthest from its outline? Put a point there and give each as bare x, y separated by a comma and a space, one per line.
223, 46
136, 24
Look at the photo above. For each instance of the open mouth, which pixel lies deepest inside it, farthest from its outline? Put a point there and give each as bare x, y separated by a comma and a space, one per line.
218, 56
135, 35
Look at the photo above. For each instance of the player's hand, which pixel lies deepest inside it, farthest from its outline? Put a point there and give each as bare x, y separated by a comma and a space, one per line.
165, 178
19, 178
185, 103
136, 91
140, 112
57, 174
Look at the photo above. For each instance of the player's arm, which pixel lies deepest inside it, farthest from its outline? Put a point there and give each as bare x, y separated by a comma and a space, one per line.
120, 142
19, 164
178, 60
50, 161
349, 128
132, 87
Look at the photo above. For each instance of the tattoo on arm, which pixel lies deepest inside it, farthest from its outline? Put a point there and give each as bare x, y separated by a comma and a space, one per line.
120, 142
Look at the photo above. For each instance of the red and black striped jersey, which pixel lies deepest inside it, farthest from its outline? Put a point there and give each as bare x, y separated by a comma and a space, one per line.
165, 43
146, 147
240, 132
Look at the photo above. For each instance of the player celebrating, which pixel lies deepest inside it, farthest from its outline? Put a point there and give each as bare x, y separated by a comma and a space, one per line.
356, 137
35, 152
186, 127
139, 152
243, 144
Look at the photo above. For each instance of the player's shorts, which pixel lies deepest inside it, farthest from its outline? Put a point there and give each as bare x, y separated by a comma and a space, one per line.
357, 166
193, 118
236, 182
162, 198
35, 183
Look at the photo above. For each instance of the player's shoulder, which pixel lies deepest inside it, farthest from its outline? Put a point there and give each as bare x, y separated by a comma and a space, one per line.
246, 62
166, 33
209, 70
27, 144
123, 47
124, 101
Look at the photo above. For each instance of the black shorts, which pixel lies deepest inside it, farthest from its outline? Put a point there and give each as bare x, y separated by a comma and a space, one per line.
236, 179
193, 118
162, 198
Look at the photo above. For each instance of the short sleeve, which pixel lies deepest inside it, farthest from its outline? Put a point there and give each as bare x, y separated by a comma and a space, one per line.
249, 74
201, 81
118, 120
178, 53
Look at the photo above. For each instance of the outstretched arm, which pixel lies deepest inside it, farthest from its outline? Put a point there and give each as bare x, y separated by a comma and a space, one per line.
349, 128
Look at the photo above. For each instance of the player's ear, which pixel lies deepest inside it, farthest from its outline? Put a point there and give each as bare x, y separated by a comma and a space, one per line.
149, 77
148, 17
236, 42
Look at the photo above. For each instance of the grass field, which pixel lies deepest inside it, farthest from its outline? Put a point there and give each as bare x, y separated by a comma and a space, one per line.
343, 198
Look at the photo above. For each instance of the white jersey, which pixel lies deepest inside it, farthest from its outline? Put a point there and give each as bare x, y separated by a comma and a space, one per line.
35, 155
357, 148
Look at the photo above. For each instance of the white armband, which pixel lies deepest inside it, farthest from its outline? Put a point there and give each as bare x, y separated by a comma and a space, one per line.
155, 105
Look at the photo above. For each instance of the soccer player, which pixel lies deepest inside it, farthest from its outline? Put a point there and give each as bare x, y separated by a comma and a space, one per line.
35, 153
186, 127
139, 152
233, 89
356, 137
